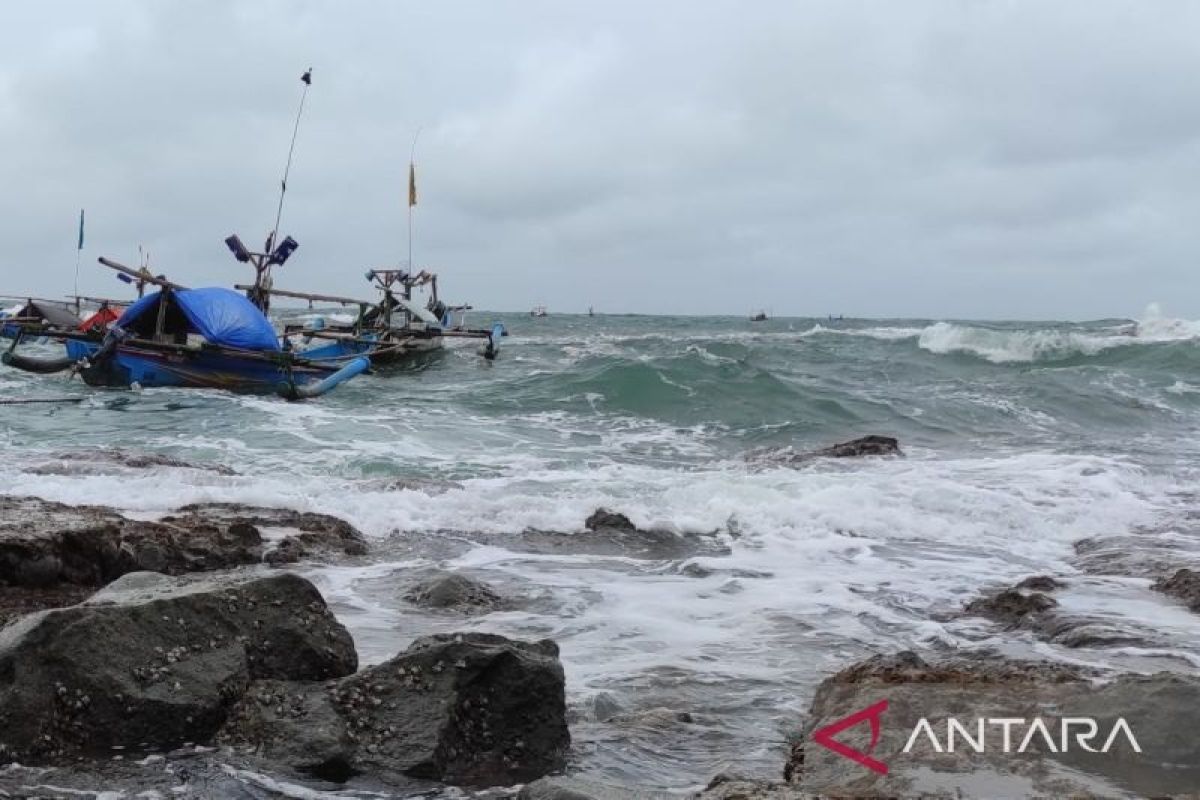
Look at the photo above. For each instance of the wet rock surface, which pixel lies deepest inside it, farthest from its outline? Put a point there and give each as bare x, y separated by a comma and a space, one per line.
603, 519
16, 601
310, 534
43, 544
724, 787
106, 460
1184, 584
1028, 606
873, 445
1011, 607
612, 533
1157, 708
153, 661
473, 709
453, 591
569, 788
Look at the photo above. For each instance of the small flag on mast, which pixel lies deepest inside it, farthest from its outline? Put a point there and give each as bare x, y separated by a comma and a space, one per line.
412, 185
307, 77
80, 229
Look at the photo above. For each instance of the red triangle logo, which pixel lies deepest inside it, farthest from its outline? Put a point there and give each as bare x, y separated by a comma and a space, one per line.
824, 736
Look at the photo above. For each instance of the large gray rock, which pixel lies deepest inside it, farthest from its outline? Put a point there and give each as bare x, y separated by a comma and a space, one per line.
473, 709
1158, 709
153, 661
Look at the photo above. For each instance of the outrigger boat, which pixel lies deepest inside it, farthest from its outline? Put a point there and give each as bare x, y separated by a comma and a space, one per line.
210, 337
395, 330
35, 316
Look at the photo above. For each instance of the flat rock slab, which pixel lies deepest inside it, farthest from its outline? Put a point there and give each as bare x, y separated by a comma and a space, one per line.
472, 709
107, 460
153, 661
43, 543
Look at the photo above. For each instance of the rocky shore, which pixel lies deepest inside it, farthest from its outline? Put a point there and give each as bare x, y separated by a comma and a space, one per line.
145, 653
179, 655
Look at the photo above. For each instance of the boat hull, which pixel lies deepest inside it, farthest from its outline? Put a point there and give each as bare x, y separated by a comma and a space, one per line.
131, 365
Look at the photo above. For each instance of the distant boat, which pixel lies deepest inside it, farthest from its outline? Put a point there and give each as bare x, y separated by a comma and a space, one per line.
760, 316
591, 311
539, 311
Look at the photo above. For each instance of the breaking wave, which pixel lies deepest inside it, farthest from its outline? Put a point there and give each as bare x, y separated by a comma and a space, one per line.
1000, 346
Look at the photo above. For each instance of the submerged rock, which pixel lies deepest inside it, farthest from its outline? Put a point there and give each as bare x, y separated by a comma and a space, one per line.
1019, 608
1184, 585
153, 662
603, 519
1011, 607
1040, 583
611, 533
905, 689
727, 787
863, 446
566, 787
652, 718
454, 591
101, 461
473, 709
873, 445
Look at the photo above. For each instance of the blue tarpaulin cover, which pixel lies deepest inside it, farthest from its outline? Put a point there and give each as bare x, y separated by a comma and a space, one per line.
222, 316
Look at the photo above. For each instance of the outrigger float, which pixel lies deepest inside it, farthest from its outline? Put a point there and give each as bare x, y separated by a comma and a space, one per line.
211, 338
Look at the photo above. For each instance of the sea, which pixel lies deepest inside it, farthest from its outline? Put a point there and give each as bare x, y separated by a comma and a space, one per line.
1059, 448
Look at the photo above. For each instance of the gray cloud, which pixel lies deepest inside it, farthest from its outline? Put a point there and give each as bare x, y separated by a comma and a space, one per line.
993, 159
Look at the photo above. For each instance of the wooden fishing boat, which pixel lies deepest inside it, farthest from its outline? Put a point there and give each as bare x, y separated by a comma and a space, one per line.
33, 315
395, 331
211, 338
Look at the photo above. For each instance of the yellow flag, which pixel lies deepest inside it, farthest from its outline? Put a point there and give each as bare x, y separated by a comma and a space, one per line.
412, 185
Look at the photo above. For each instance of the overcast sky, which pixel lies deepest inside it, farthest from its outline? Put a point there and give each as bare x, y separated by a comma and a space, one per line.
947, 160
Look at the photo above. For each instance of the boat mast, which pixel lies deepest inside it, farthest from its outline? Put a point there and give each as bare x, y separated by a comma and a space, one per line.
273, 253
306, 79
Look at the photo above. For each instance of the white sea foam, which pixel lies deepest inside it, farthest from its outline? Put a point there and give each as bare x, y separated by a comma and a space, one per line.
1003, 345
886, 333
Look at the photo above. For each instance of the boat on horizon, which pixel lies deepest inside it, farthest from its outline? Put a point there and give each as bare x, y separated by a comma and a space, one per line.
539, 311
759, 316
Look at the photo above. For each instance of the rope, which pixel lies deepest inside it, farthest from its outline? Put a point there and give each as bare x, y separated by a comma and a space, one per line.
32, 400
